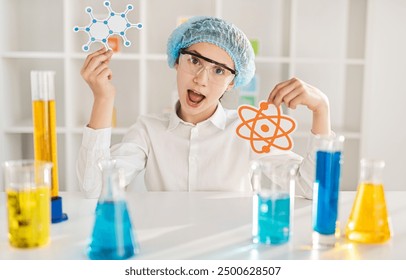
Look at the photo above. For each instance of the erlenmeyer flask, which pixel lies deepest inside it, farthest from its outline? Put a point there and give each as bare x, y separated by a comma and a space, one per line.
112, 237
368, 221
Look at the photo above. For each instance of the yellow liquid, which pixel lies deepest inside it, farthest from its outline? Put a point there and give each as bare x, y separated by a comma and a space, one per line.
29, 217
368, 222
45, 148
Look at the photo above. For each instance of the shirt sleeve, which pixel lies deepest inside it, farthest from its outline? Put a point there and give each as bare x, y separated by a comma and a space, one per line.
130, 155
306, 172
95, 145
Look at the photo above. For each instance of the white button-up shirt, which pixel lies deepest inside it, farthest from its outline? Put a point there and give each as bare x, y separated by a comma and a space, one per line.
180, 156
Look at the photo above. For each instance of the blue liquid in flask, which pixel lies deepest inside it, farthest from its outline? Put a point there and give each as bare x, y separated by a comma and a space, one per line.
273, 219
325, 199
112, 237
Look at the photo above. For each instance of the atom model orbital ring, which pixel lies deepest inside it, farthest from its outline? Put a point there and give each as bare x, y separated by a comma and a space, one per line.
265, 127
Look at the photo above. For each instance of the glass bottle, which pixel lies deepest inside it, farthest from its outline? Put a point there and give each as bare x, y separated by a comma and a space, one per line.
112, 236
368, 221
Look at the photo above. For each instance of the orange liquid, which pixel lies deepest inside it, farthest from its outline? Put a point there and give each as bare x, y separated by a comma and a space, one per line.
368, 222
45, 148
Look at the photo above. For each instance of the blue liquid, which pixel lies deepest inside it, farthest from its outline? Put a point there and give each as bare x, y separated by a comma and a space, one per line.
112, 237
325, 197
271, 219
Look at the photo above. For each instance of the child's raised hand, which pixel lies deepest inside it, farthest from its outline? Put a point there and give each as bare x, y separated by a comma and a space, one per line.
97, 74
295, 92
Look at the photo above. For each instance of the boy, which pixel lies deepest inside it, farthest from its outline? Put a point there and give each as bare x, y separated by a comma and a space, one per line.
194, 148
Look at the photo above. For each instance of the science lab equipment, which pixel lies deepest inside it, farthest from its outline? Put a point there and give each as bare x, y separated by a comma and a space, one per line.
27, 185
369, 221
112, 235
273, 201
45, 141
326, 189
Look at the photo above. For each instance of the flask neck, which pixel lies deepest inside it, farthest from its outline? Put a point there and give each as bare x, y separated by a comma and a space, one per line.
372, 171
112, 179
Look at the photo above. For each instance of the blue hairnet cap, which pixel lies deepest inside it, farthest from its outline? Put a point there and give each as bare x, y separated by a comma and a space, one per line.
220, 33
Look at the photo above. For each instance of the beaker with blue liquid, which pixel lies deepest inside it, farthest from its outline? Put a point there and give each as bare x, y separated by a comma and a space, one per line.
112, 236
273, 182
326, 189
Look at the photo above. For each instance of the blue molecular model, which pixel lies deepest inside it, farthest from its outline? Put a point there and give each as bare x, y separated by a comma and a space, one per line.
99, 30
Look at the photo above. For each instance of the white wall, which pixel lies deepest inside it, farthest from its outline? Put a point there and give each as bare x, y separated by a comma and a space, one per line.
384, 112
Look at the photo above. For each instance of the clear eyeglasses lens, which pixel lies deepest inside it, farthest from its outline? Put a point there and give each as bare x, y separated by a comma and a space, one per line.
194, 65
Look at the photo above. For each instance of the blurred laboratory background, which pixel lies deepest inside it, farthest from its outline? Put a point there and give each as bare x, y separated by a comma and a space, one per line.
353, 50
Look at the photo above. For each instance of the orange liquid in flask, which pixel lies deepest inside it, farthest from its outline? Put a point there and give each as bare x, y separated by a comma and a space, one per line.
368, 222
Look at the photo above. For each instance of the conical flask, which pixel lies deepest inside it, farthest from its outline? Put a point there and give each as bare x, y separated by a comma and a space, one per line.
112, 236
368, 221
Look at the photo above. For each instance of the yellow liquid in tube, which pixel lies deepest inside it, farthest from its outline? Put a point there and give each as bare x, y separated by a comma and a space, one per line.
368, 222
45, 147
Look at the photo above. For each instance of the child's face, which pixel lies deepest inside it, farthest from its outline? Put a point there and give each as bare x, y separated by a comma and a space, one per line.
199, 93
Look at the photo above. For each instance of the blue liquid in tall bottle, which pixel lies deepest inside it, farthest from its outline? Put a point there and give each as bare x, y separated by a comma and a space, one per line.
272, 214
112, 237
325, 197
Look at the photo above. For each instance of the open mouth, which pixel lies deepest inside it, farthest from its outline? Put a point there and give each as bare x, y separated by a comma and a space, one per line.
195, 97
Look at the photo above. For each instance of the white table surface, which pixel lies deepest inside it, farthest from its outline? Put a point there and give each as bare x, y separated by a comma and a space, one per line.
205, 225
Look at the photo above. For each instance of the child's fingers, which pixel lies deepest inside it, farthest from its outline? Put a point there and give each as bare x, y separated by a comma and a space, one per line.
100, 68
296, 101
280, 91
277, 89
98, 59
90, 56
294, 98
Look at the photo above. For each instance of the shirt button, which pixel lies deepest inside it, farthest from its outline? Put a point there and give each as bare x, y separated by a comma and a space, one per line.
195, 132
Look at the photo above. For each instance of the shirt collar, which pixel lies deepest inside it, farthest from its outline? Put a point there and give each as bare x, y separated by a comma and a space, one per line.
218, 118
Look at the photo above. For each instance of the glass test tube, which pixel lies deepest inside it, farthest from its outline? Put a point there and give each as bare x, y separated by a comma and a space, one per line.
326, 190
44, 122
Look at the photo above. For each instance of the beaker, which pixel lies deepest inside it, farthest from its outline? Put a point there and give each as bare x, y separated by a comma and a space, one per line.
112, 236
28, 185
368, 221
273, 201
326, 189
